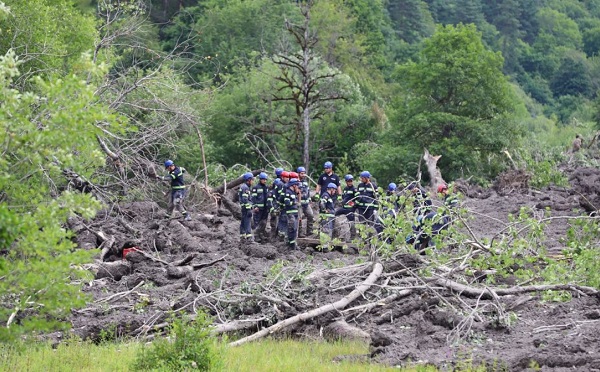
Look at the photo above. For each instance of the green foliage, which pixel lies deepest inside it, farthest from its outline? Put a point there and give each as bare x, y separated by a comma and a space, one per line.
460, 105
189, 347
44, 132
48, 35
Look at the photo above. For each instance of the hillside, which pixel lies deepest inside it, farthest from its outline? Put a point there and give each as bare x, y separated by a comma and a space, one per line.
410, 316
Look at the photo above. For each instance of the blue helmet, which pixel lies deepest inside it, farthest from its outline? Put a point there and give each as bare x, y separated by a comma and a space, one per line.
327, 165
263, 176
332, 185
278, 182
168, 163
348, 177
392, 187
248, 176
278, 171
301, 169
365, 174
293, 181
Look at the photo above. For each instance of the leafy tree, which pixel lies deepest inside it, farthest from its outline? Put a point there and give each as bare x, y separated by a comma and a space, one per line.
591, 41
459, 104
47, 35
47, 134
411, 19
572, 78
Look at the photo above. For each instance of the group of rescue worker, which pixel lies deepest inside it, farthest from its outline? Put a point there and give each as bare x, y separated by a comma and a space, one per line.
286, 202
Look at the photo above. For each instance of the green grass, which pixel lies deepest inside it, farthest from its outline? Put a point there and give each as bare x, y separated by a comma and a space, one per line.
267, 355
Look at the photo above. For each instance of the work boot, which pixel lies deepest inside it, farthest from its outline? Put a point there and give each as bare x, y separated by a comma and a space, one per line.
293, 246
188, 217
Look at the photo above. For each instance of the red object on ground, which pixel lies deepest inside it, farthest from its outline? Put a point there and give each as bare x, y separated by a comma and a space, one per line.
126, 251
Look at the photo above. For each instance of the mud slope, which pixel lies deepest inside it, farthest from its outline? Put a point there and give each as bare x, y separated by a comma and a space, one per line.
188, 266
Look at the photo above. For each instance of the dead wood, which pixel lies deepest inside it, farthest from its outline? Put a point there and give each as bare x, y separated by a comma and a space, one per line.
435, 175
485, 293
182, 271
237, 325
338, 305
185, 260
238, 181
351, 270
340, 330
383, 302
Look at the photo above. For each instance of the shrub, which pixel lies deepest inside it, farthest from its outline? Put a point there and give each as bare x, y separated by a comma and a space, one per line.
188, 347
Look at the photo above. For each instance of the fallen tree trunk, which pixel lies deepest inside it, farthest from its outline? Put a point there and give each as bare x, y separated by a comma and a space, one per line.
238, 181
485, 293
338, 305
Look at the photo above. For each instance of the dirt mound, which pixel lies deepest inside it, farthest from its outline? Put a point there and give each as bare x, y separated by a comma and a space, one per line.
150, 267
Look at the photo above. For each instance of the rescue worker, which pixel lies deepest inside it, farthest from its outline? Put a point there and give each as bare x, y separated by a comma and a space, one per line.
348, 203
576, 146
245, 198
290, 210
274, 210
366, 202
327, 209
282, 222
421, 203
325, 179
177, 189
307, 212
260, 195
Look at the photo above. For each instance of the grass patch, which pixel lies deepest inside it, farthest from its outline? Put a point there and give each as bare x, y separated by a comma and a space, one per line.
264, 356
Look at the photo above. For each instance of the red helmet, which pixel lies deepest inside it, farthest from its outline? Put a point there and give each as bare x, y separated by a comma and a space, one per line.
441, 188
285, 174
294, 175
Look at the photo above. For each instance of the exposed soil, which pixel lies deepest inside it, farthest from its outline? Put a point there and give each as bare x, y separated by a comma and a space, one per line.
186, 266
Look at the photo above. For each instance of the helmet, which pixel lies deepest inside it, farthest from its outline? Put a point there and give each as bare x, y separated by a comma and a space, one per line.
442, 187
332, 185
392, 187
168, 163
263, 176
294, 175
348, 177
327, 165
248, 176
301, 169
278, 182
278, 171
293, 181
365, 174
285, 174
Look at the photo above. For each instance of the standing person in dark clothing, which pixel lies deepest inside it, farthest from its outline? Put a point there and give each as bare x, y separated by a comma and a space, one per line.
349, 195
290, 209
177, 189
325, 179
273, 204
245, 196
421, 203
327, 209
260, 194
366, 203
282, 222
307, 212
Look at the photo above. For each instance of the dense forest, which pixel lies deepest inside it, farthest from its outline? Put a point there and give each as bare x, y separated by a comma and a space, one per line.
94, 93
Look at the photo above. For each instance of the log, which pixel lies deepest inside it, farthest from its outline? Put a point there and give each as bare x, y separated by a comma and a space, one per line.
484, 293
338, 305
349, 270
342, 331
238, 181
236, 325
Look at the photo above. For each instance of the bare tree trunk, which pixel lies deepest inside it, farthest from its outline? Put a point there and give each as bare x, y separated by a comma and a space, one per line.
434, 172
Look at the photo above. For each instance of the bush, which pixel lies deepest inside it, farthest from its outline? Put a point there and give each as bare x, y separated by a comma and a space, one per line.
188, 347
